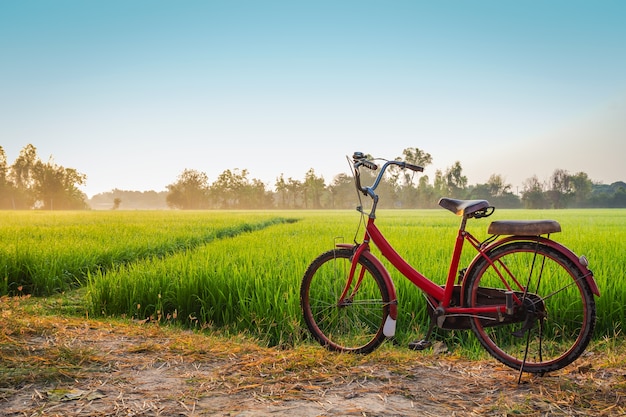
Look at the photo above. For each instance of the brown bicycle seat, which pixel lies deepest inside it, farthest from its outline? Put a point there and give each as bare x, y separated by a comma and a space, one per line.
523, 227
462, 207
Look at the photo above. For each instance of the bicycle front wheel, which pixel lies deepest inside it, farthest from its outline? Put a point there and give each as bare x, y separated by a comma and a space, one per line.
555, 321
354, 323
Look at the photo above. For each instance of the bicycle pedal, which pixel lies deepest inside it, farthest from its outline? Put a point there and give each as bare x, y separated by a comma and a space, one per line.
420, 344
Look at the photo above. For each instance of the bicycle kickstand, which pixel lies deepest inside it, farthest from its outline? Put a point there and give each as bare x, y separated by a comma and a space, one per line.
425, 342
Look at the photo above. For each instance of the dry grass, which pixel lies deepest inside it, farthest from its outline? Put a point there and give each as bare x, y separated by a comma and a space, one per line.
67, 365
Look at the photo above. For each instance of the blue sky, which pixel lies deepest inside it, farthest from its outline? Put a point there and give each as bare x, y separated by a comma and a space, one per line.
133, 92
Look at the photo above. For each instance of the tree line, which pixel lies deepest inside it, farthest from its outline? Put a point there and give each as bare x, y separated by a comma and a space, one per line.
31, 183
398, 189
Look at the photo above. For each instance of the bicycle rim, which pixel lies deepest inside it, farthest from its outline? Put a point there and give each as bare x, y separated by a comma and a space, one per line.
354, 324
558, 306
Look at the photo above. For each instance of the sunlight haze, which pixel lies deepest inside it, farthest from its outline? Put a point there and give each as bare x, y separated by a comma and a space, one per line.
130, 93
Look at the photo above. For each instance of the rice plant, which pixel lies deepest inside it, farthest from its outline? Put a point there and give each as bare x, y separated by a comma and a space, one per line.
47, 252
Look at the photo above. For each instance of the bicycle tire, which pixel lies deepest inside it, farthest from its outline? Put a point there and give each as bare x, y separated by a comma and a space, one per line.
355, 326
559, 303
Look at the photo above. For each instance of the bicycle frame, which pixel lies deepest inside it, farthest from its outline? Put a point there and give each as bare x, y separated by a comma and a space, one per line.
442, 295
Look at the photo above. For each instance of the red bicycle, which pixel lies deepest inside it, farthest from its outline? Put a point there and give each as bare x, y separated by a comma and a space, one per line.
528, 299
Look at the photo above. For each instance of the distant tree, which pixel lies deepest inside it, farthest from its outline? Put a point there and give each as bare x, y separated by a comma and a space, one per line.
35, 184
4, 168
189, 192
22, 176
582, 188
533, 194
256, 195
342, 192
480, 192
6, 189
228, 189
313, 188
427, 197
455, 180
414, 156
295, 189
23, 168
56, 187
402, 182
497, 185
619, 196
116, 203
282, 192
496, 191
560, 189
440, 186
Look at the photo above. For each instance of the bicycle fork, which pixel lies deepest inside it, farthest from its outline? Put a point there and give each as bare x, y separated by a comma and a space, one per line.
349, 291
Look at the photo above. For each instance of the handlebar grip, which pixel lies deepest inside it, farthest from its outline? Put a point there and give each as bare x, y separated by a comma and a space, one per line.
369, 164
414, 167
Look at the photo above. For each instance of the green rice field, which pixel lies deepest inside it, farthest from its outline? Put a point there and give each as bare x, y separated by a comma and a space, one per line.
239, 272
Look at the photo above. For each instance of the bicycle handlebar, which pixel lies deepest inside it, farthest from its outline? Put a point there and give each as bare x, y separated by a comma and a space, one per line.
360, 160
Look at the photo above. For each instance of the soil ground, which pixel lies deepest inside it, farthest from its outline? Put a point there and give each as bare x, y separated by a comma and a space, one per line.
70, 366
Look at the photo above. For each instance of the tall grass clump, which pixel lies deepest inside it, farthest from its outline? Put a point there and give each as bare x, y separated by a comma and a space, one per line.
246, 284
600, 235
47, 252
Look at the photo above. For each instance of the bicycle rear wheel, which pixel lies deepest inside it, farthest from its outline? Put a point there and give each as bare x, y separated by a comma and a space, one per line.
354, 324
556, 321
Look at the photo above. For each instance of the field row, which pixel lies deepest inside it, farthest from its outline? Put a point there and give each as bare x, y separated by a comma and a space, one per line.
47, 252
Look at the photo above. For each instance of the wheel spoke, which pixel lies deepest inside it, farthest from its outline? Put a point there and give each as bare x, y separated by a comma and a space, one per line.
557, 309
352, 324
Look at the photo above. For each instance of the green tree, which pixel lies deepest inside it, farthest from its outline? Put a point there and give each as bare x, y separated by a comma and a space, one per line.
560, 191
313, 188
295, 190
455, 180
440, 186
414, 156
22, 176
230, 189
282, 192
255, 195
480, 192
426, 194
582, 188
533, 193
4, 168
497, 185
6, 189
497, 191
44, 185
407, 192
342, 192
189, 192
56, 187
619, 197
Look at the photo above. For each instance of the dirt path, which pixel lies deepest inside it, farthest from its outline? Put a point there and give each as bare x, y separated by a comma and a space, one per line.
74, 367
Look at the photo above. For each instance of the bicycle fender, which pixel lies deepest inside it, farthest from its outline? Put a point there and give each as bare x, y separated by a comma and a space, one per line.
587, 273
389, 328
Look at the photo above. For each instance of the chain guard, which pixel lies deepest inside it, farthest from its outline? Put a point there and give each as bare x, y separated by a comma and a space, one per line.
532, 309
